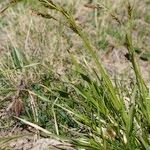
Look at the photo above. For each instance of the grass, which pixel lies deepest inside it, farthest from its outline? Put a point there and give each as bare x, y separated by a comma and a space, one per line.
81, 101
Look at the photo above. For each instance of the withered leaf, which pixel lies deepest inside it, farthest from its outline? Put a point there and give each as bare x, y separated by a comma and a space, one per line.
17, 106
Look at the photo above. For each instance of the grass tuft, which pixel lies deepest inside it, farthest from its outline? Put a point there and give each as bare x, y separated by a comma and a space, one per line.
85, 104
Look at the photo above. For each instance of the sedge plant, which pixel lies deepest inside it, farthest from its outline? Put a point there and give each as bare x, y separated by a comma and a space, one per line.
98, 115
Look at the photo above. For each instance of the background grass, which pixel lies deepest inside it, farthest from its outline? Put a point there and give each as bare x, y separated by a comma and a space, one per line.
55, 77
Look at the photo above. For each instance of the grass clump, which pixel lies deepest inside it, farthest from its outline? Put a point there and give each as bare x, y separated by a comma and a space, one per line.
84, 105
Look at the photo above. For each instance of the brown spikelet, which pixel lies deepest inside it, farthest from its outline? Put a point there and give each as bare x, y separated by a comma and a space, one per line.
116, 18
47, 16
111, 132
129, 10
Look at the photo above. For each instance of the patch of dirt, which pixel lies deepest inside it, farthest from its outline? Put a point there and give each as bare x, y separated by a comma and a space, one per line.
118, 65
28, 141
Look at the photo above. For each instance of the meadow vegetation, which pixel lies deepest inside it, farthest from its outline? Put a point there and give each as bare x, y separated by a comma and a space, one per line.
56, 76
